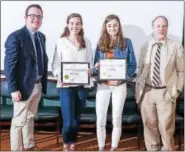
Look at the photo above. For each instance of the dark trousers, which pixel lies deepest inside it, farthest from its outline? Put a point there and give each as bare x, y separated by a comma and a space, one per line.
72, 103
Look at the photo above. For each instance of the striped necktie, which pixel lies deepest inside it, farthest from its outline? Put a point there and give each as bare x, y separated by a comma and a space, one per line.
39, 55
156, 69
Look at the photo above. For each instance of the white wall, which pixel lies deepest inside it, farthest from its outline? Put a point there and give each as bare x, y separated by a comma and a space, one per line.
136, 17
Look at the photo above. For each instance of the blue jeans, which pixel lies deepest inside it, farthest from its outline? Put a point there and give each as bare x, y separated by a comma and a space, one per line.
72, 103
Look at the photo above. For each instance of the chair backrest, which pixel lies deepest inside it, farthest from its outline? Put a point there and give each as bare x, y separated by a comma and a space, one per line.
182, 95
4, 89
51, 98
92, 93
4, 93
130, 106
52, 91
130, 91
180, 103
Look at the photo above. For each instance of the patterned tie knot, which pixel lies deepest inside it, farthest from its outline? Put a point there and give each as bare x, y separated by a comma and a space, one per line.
159, 45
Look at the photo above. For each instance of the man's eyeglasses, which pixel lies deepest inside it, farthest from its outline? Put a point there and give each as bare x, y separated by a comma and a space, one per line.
33, 16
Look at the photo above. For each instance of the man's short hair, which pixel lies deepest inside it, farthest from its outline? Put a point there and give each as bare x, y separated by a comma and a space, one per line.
33, 5
163, 17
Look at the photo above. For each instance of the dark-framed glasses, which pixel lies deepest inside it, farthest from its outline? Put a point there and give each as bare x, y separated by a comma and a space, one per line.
33, 16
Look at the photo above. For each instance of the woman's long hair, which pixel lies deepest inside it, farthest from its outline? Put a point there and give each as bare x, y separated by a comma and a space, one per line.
80, 37
105, 42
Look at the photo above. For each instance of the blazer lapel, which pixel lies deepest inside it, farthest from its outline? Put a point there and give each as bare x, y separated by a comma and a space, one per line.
29, 43
170, 49
148, 58
143, 78
149, 52
42, 42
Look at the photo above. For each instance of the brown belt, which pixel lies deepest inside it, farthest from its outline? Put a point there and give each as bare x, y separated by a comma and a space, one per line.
162, 87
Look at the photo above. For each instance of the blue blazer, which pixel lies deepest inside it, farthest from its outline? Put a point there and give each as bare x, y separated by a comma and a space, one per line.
20, 63
126, 53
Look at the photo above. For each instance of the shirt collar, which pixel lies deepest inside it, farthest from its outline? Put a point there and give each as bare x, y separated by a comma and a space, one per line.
163, 42
31, 32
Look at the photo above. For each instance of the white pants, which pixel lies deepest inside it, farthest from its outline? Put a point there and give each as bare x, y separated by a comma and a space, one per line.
22, 126
102, 103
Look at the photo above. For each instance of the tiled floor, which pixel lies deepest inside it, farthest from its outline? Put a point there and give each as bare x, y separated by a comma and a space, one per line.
87, 141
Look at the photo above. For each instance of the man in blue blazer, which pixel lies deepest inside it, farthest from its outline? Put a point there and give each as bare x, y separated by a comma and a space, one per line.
26, 65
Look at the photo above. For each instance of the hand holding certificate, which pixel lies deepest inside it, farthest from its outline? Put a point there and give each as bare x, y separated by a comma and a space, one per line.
112, 69
75, 73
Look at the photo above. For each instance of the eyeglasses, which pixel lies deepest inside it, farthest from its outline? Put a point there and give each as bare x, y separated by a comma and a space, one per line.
33, 16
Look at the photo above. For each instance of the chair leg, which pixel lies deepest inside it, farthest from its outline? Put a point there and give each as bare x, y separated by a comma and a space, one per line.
139, 137
35, 132
180, 129
58, 130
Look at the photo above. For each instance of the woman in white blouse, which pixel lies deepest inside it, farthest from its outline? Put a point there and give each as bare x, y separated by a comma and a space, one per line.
72, 46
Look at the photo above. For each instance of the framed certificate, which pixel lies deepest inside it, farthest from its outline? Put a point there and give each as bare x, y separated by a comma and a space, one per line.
75, 72
112, 69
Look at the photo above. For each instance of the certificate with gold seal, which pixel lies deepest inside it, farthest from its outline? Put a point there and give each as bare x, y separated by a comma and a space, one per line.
75, 73
112, 69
